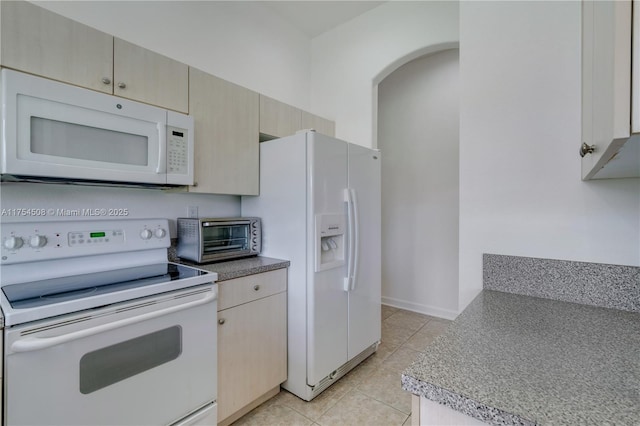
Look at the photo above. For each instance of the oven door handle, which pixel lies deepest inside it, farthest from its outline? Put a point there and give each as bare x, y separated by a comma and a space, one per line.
38, 343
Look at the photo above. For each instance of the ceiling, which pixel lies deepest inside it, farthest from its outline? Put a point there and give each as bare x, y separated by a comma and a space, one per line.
315, 17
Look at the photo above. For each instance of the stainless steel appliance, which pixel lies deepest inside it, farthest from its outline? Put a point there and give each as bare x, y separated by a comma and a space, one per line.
122, 336
56, 130
207, 239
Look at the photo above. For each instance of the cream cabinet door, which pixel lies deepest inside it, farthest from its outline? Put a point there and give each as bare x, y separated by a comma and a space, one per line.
227, 152
142, 75
278, 119
252, 352
41, 42
319, 124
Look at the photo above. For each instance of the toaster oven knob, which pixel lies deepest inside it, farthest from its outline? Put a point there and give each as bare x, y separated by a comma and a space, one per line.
160, 233
13, 243
145, 234
38, 241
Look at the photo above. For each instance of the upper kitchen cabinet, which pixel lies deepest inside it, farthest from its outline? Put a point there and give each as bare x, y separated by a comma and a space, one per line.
37, 41
40, 42
142, 75
321, 125
610, 90
278, 119
227, 152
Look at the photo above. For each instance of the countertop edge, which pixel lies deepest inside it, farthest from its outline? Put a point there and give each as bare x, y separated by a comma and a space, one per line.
240, 267
462, 404
252, 271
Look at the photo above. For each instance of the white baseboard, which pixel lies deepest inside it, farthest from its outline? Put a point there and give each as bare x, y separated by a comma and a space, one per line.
419, 308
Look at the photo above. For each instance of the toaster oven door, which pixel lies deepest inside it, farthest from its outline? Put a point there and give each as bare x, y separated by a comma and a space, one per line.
227, 240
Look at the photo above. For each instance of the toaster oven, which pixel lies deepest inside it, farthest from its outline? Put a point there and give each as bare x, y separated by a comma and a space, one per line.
213, 239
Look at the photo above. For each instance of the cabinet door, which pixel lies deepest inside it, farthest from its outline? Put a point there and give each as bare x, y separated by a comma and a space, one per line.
227, 152
41, 42
321, 125
252, 352
142, 75
606, 80
278, 119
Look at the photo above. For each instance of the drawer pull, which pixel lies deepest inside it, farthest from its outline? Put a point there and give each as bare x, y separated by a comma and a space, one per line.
256, 287
221, 321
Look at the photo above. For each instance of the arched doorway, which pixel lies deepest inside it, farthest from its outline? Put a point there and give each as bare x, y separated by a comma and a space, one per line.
418, 134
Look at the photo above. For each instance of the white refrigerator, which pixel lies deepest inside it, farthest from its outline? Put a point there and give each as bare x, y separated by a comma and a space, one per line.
320, 207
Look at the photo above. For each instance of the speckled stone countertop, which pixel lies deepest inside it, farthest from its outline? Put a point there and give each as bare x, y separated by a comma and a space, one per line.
510, 359
240, 267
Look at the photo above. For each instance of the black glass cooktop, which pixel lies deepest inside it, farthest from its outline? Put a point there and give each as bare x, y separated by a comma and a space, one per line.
56, 290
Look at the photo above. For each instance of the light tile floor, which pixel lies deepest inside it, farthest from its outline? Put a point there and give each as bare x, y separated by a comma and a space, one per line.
371, 393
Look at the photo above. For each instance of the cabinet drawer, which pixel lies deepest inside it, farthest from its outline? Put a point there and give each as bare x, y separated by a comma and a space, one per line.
245, 289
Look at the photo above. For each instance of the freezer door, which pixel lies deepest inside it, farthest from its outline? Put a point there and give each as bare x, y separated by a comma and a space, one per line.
327, 320
365, 293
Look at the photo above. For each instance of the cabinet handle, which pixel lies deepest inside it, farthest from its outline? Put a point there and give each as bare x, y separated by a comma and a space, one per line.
106, 80
221, 321
256, 287
586, 149
122, 85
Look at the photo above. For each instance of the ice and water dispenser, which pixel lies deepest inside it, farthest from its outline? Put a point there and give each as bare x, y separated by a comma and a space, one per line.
330, 241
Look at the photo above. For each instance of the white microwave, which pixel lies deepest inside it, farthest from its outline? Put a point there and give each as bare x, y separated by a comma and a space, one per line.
56, 130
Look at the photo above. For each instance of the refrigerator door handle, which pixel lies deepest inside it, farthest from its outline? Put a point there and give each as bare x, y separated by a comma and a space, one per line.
348, 279
356, 238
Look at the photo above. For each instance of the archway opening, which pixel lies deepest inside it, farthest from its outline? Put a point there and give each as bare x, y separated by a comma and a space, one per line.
418, 134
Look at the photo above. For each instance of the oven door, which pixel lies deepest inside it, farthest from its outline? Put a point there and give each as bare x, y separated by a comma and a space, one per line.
151, 361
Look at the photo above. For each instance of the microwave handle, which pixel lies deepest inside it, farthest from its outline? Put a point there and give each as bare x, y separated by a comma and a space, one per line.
162, 149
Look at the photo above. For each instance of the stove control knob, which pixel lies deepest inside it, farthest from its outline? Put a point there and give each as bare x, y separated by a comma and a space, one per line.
145, 234
13, 243
160, 233
38, 241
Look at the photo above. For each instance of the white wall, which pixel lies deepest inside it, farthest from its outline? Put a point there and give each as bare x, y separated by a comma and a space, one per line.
520, 187
418, 121
140, 203
244, 42
349, 61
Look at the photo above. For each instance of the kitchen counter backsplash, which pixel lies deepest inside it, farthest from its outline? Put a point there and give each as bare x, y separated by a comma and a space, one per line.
596, 284
172, 252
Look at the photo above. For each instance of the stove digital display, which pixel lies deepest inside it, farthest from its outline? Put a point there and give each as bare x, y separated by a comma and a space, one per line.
97, 234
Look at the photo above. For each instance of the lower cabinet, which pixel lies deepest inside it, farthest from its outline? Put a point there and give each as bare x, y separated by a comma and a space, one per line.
252, 342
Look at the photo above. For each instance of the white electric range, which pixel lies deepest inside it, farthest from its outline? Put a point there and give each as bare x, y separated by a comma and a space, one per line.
101, 330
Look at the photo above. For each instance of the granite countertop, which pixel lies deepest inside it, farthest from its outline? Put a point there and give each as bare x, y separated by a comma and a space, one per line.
522, 360
239, 267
